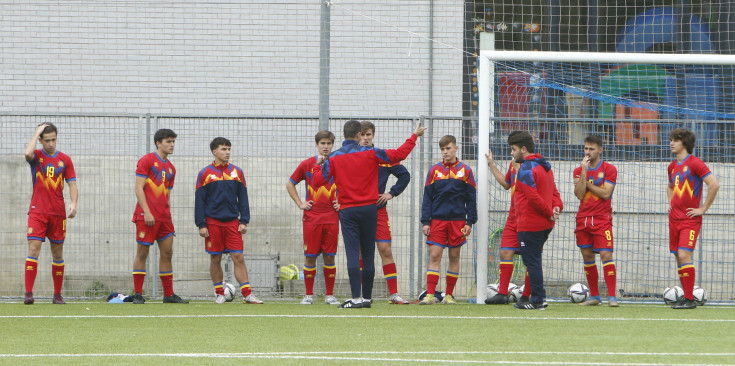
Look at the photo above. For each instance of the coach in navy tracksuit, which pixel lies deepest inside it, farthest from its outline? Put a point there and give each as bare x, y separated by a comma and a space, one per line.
355, 172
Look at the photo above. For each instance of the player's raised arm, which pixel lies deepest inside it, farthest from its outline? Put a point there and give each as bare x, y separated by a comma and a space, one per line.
31, 147
496, 172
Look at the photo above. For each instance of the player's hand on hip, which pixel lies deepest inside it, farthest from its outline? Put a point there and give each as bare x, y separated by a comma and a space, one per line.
426, 229
204, 232
336, 205
149, 219
419, 130
384, 198
71, 211
467, 230
306, 206
694, 212
242, 229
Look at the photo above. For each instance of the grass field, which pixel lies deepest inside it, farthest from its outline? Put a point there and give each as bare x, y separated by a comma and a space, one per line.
287, 333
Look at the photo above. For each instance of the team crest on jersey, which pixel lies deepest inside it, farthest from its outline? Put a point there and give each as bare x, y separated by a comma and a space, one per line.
439, 174
460, 173
233, 174
141, 234
40, 160
213, 177
601, 175
686, 169
170, 171
155, 164
61, 164
30, 230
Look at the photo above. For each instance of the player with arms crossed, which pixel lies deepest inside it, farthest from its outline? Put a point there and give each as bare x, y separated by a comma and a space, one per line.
222, 214
594, 182
320, 219
448, 211
154, 178
509, 244
383, 235
46, 215
686, 175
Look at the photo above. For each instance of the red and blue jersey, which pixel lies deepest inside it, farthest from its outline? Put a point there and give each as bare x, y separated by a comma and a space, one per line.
450, 194
602, 175
159, 177
355, 170
48, 173
323, 194
221, 193
686, 178
535, 195
399, 171
510, 178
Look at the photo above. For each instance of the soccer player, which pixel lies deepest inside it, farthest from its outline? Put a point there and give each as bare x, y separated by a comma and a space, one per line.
222, 214
320, 220
509, 244
448, 211
46, 215
594, 182
154, 179
686, 175
355, 172
383, 234
538, 205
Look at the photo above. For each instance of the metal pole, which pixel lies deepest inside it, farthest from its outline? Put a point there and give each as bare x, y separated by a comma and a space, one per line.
431, 58
412, 238
486, 113
324, 39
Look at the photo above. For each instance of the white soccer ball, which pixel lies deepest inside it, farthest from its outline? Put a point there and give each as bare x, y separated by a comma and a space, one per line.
516, 293
492, 290
230, 291
578, 293
673, 294
700, 295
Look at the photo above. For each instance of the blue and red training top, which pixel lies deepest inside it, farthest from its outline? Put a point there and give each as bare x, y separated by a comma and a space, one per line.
535, 195
450, 194
355, 170
221, 194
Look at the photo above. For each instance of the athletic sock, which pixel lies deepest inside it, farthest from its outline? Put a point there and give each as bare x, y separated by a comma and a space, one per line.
506, 271
526, 286
391, 277
57, 273
31, 271
686, 277
218, 289
309, 276
245, 289
608, 271
432, 278
590, 270
451, 281
167, 282
330, 274
138, 279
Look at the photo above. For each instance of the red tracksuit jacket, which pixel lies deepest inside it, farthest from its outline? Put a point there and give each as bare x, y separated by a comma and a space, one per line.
535, 195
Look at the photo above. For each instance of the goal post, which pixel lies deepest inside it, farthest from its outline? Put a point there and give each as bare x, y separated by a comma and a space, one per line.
692, 94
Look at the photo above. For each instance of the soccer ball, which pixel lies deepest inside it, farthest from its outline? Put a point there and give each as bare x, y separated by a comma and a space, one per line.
230, 291
700, 295
516, 293
492, 290
578, 292
673, 294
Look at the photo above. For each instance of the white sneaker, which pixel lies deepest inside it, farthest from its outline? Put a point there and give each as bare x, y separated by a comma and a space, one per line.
251, 299
220, 299
331, 300
397, 299
307, 300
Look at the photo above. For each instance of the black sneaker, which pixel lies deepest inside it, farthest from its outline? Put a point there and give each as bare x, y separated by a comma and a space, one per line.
527, 305
138, 298
351, 305
685, 304
367, 303
174, 299
28, 299
497, 299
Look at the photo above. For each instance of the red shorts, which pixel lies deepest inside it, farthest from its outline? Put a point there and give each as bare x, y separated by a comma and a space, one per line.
683, 234
594, 232
41, 226
320, 238
446, 234
223, 237
509, 240
159, 231
383, 232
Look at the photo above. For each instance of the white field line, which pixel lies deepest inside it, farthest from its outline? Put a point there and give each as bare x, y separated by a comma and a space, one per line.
230, 316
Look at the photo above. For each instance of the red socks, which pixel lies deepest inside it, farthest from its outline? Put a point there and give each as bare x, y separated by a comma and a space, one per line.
389, 271
608, 272
686, 277
330, 274
309, 276
57, 273
167, 282
590, 270
31, 271
506, 271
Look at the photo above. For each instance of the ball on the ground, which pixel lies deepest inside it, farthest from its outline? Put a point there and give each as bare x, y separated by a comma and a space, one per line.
230, 291
673, 294
516, 293
578, 292
492, 290
700, 295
